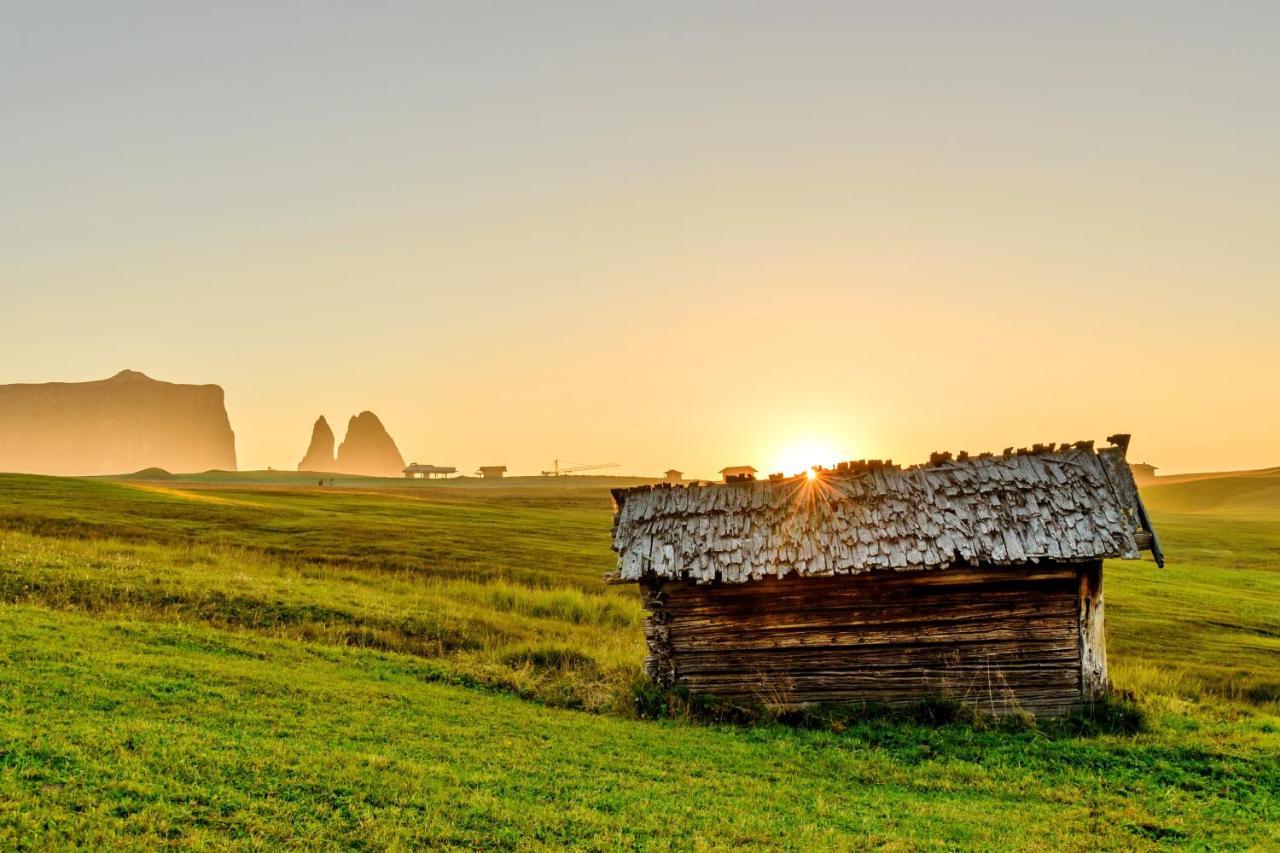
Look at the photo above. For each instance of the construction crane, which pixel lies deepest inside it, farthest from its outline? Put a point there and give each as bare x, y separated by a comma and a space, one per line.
560, 467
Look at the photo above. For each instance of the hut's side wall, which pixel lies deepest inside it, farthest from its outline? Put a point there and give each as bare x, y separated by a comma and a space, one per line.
1002, 639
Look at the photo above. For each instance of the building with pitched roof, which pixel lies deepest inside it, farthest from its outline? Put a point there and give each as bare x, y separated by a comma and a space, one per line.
971, 578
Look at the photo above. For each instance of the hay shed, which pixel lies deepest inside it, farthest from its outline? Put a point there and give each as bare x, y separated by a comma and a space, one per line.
970, 578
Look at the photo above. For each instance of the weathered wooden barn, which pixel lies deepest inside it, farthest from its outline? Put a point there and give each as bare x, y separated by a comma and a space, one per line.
1143, 472
970, 578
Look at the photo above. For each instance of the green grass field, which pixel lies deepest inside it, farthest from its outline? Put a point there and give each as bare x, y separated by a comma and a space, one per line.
254, 660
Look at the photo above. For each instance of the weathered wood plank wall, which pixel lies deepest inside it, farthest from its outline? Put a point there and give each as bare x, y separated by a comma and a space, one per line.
1000, 638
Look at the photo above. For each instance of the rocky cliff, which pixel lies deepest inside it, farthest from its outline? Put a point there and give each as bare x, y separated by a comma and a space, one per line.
114, 426
320, 452
368, 449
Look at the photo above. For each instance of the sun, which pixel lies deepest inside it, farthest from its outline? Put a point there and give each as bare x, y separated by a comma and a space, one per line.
802, 455
811, 474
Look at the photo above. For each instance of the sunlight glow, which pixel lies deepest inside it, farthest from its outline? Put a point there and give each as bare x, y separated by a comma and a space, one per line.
811, 474
803, 455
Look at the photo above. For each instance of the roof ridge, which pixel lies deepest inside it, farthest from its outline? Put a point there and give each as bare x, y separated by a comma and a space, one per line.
937, 459
1075, 503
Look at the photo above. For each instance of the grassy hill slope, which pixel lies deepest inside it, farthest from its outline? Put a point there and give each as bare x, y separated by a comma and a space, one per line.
1256, 492
124, 732
221, 662
1171, 479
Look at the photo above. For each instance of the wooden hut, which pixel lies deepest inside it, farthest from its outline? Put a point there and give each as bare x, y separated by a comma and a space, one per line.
1143, 472
492, 472
977, 579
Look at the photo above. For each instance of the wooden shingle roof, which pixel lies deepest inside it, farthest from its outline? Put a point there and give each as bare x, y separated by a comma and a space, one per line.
1050, 503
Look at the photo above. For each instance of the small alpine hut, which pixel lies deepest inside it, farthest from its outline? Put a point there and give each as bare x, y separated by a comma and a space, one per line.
971, 578
1143, 472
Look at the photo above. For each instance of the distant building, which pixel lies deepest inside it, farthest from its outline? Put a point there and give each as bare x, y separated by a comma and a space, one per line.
674, 476
738, 472
426, 472
1142, 472
492, 472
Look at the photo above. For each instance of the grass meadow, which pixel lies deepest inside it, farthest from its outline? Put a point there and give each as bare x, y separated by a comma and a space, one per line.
255, 660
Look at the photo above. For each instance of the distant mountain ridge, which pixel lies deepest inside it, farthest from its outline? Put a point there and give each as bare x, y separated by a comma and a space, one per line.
113, 426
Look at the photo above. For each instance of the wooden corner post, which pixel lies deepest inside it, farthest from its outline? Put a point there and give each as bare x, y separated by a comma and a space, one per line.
1093, 633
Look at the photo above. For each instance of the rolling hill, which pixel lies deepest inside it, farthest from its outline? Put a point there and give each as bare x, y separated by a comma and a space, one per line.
1235, 492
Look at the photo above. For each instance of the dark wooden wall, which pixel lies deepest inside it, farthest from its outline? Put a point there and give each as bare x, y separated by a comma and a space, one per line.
1002, 639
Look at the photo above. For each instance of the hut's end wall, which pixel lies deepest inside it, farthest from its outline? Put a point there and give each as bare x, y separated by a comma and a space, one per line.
999, 638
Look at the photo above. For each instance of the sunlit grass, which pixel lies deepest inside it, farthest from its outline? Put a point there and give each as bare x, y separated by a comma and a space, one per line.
342, 667
482, 575
480, 626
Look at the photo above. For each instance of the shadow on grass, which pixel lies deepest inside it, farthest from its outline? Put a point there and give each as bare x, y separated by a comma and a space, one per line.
1115, 714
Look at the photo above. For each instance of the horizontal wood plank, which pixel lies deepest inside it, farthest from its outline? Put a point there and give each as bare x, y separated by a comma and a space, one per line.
1003, 638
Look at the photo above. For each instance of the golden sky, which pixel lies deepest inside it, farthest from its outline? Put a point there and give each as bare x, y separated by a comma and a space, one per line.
686, 235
